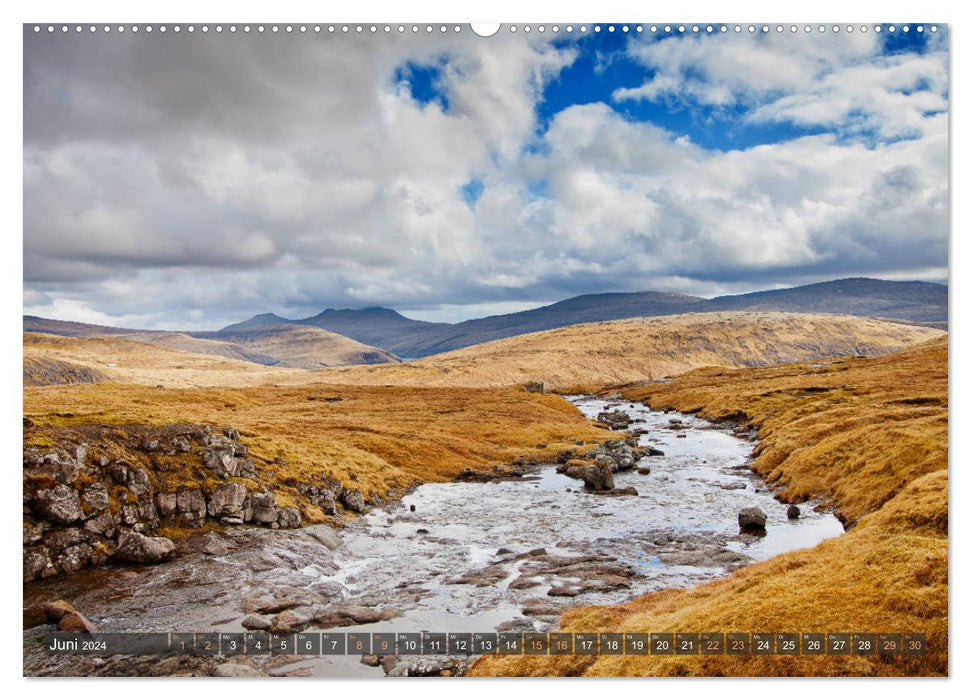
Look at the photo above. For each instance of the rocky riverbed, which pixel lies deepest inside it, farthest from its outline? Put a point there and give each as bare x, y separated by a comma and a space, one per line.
455, 557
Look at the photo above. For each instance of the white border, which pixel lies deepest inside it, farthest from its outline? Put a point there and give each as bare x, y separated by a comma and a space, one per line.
520, 11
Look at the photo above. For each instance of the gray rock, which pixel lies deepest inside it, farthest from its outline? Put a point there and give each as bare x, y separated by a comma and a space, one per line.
264, 508
96, 497
136, 548
615, 420
181, 444
35, 562
325, 500
751, 520
32, 535
167, 504
288, 517
130, 514
191, 504
138, 482
596, 477
103, 524
220, 459
228, 501
63, 537
353, 500
793, 512
74, 558
60, 504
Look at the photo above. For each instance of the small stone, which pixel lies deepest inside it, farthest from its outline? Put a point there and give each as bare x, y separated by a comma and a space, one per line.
234, 670
57, 609
257, 622
77, 623
793, 512
290, 622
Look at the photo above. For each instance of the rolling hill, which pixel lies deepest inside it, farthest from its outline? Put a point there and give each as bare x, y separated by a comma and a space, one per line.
59, 359
644, 349
914, 302
276, 345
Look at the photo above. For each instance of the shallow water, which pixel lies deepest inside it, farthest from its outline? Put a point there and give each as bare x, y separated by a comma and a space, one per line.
681, 529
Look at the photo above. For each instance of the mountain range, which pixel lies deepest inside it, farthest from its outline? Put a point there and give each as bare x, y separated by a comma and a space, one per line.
924, 303
376, 335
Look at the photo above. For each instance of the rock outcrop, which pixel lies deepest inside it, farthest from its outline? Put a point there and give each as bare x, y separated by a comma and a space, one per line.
615, 420
101, 493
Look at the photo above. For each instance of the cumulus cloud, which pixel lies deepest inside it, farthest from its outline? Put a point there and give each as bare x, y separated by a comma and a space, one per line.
189, 181
840, 81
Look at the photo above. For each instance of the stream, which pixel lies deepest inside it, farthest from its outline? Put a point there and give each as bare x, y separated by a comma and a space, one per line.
468, 557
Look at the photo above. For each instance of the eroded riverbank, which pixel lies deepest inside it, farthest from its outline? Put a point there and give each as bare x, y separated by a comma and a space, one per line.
463, 557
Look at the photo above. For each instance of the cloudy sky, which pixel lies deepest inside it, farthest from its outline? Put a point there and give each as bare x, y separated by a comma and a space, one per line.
192, 180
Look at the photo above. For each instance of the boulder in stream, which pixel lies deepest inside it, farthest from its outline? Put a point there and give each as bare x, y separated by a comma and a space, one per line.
136, 548
596, 477
751, 520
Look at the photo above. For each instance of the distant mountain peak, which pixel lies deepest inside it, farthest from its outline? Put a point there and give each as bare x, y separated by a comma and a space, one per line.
257, 321
367, 312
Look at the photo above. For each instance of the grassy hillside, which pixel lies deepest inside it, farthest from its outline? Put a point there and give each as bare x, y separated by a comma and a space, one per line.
121, 360
276, 345
921, 303
588, 354
41, 372
868, 435
305, 347
644, 348
377, 439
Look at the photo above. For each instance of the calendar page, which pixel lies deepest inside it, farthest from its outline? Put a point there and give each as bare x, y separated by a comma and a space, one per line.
365, 350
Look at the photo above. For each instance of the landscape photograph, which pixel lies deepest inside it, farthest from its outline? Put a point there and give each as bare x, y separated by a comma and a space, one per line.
387, 350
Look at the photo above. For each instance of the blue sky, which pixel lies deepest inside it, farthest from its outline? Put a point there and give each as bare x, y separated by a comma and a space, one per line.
181, 182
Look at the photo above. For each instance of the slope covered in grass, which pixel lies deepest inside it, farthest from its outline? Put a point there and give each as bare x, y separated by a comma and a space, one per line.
868, 435
128, 361
644, 348
377, 439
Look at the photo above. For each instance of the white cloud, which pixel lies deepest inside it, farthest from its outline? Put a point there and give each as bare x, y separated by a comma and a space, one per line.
203, 184
840, 81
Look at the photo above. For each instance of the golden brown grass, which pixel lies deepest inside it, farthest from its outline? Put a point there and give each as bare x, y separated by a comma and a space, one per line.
644, 348
129, 361
870, 435
379, 439
591, 354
